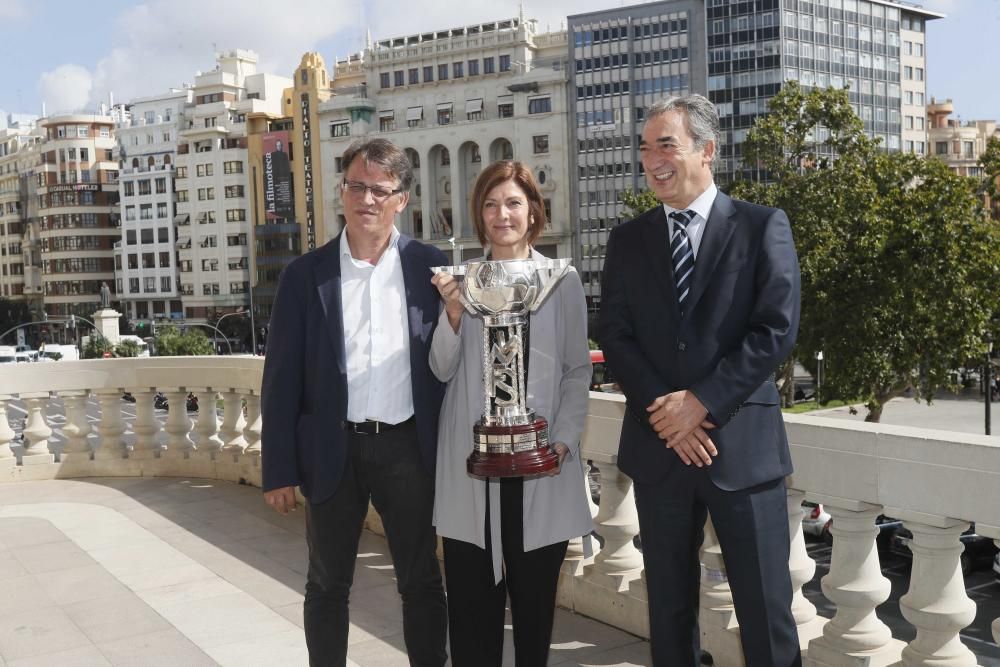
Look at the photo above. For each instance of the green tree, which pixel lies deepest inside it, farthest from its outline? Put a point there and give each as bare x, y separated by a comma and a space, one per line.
127, 348
12, 313
637, 203
171, 342
96, 347
898, 260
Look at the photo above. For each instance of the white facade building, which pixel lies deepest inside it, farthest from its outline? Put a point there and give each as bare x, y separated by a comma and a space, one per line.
213, 193
454, 99
19, 156
145, 257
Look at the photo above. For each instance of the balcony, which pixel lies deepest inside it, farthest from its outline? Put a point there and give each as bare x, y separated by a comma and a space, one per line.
162, 504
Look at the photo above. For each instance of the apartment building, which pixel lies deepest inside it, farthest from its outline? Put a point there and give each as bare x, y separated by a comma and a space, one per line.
19, 156
738, 54
211, 179
960, 143
146, 270
76, 185
455, 98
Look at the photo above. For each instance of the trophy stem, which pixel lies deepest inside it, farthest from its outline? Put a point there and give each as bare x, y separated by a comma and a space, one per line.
487, 371
522, 397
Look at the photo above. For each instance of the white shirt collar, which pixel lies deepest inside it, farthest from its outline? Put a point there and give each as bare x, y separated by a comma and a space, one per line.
345, 249
702, 205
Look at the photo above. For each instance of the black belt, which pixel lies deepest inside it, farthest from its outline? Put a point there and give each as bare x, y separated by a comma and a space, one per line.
372, 426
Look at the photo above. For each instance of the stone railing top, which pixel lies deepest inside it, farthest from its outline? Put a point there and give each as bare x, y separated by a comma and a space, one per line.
218, 372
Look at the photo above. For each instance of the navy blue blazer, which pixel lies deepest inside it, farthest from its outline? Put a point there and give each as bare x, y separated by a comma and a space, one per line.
740, 323
304, 389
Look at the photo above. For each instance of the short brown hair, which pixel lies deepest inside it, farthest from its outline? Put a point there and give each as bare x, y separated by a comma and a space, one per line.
497, 174
382, 153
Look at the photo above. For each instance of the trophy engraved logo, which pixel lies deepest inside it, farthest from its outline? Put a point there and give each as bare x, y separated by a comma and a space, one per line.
509, 440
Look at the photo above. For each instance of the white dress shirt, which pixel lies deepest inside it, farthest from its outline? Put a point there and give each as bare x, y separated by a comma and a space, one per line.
376, 335
703, 207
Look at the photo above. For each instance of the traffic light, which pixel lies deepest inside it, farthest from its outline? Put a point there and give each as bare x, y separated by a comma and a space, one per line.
140, 328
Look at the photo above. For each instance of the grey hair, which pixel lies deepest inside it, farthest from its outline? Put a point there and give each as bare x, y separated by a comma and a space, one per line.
700, 117
384, 154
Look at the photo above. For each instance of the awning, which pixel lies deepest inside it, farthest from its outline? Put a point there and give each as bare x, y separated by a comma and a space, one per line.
474, 106
505, 99
415, 113
182, 218
446, 106
387, 113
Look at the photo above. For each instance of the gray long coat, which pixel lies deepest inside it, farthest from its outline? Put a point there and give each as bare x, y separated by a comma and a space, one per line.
555, 508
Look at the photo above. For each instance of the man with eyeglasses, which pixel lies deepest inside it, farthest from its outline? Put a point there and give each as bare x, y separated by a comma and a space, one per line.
350, 407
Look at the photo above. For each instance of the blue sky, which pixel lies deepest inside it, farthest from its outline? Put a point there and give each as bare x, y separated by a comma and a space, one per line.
70, 55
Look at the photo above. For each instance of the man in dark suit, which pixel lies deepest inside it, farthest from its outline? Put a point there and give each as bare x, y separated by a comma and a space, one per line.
350, 406
700, 304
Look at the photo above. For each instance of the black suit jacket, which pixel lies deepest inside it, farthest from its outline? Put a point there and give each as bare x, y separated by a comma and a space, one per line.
304, 389
740, 323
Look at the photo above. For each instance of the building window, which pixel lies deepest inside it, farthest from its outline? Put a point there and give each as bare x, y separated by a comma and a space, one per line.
505, 110
204, 169
383, 80
442, 72
233, 191
182, 195
210, 265
428, 73
445, 157
163, 234
129, 188
413, 116
414, 75
146, 212
210, 289
161, 210
340, 129
133, 285
144, 188
941, 148
488, 66
181, 172
456, 70
474, 109
236, 215
504, 63
540, 143
473, 68
166, 284
386, 122
161, 186
232, 167
130, 213
540, 105
444, 115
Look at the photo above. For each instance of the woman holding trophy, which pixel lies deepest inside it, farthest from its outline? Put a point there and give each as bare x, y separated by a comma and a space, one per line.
507, 534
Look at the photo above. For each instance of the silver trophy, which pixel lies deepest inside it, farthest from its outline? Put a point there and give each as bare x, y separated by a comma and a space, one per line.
510, 440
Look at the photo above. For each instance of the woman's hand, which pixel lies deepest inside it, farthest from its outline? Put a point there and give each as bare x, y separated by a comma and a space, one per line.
561, 451
447, 285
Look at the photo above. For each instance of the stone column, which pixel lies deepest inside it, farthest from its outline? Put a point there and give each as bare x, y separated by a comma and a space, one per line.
77, 427
111, 427
146, 426
801, 568
936, 603
7, 460
36, 431
618, 523
428, 197
855, 635
459, 204
233, 423
178, 425
206, 428
252, 429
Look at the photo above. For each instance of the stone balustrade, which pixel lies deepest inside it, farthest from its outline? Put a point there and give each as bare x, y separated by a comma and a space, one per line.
856, 470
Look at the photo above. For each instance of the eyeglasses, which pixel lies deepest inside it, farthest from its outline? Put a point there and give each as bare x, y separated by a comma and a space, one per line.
379, 193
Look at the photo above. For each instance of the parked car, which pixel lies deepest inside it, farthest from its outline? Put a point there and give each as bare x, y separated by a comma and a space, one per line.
816, 521
978, 554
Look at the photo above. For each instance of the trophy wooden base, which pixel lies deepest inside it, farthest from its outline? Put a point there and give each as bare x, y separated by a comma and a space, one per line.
512, 451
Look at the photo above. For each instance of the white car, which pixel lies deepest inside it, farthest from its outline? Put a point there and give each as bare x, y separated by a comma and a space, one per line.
816, 521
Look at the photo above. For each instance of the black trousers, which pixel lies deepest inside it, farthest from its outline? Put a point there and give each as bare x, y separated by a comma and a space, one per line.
752, 526
386, 469
476, 605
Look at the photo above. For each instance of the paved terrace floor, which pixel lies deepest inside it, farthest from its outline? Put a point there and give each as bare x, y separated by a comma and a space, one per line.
157, 571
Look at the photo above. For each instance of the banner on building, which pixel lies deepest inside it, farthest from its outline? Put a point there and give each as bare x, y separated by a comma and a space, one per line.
277, 177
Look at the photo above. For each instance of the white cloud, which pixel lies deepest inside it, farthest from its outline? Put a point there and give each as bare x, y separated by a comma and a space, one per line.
66, 88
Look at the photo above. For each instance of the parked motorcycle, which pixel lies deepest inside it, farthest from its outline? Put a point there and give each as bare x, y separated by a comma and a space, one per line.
128, 397
160, 402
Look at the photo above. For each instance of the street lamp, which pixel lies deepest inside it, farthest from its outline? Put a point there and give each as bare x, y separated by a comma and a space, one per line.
218, 323
988, 378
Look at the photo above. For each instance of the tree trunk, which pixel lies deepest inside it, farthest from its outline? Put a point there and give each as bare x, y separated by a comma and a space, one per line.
874, 413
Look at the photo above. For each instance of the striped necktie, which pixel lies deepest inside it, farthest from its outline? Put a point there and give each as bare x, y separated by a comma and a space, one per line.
682, 254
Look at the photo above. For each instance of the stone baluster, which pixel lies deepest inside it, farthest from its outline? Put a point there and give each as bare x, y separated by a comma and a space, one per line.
996, 621
252, 430
178, 425
206, 428
36, 430
233, 423
77, 428
618, 523
801, 568
575, 551
936, 603
146, 426
716, 613
856, 585
7, 460
111, 427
